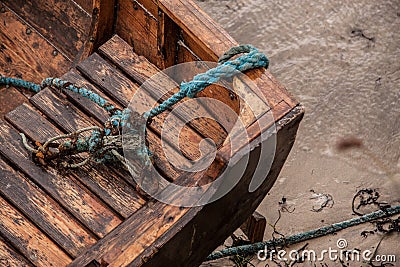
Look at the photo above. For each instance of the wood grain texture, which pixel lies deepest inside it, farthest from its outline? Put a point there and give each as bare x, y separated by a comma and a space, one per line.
101, 115
63, 23
44, 129
10, 93
167, 38
120, 87
59, 225
86, 5
101, 27
140, 69
254, 227
10, 257
104, 183
195, 225
60, 111
135, 234
29, 47
143, 39
28, 239
66, 190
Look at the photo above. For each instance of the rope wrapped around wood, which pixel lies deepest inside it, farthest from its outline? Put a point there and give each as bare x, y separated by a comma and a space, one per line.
105, 144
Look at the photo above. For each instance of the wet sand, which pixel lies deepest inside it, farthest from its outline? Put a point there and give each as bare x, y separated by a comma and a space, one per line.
341, 59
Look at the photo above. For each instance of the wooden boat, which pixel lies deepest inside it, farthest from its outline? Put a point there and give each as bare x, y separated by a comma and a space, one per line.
94, 216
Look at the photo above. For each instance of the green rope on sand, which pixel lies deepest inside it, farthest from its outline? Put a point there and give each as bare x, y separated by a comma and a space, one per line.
297, 238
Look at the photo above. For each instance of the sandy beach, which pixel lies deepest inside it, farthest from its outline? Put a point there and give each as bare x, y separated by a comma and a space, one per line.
341, 59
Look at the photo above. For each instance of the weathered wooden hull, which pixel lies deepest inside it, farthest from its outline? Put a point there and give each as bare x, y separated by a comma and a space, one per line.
96, 216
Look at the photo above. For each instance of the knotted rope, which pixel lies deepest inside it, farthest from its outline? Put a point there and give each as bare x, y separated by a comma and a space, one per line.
105, 144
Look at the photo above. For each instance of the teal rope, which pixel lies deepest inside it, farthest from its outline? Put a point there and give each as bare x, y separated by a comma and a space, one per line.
19, 83
226, 69
64, 85
326, 230
119, 118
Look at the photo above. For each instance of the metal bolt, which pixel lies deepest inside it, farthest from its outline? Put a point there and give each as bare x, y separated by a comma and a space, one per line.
28, 31
2, 9
54, 53
232, 96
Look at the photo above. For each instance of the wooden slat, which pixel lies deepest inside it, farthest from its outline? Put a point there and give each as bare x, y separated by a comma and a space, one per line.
11, 258
110, 188
120, 87
83, 103
62, 22
31, 47
23, 235
24, 113
241, 139
209, 41
64, 189
101, 115
132, 15
135, 234
44, 212
140, 69
60, 110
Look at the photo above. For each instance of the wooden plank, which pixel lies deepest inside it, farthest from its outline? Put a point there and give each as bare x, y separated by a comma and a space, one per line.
26, 113
199, 26
110, 188
10, 93
23, 235
140, 69
66, 190
31, 47
143, 39
253, 131
254, 227
209, 41
101, 115
167, 38
11, 258
59, 225
86, 5
12, 65
83, 103
116, 84
135, 234
60, 110
63, 23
